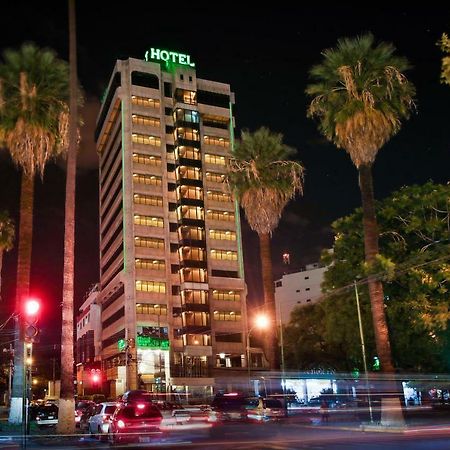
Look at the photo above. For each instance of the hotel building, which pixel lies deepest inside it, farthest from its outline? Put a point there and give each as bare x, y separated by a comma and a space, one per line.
172, 292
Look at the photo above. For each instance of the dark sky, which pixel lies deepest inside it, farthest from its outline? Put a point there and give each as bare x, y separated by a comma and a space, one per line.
265, 54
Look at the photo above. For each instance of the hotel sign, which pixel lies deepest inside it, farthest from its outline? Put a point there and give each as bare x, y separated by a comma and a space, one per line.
147, 342
158, 55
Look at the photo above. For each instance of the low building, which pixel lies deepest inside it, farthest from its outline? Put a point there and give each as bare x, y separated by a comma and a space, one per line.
298, 289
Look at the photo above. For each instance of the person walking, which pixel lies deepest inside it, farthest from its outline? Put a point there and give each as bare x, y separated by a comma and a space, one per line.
324, 413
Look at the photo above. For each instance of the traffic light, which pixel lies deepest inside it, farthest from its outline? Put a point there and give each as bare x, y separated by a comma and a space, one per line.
31, 307
96, 376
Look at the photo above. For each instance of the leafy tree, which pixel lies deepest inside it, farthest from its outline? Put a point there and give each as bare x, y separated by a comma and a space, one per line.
414, 239
360, 95
444, 43
7, 234
263, 181
33, 126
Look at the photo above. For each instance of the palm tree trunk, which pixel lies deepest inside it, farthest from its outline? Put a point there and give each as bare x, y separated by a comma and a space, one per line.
66, 423
269, 298
22, 292
1, 265
391, 408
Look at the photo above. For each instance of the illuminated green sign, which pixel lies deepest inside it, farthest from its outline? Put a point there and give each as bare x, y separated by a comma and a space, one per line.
155, 54
147, 342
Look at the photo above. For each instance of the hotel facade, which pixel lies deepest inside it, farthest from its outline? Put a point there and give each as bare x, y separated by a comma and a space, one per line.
172, 291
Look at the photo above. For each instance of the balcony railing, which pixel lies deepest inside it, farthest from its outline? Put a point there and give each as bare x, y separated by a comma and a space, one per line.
190, 371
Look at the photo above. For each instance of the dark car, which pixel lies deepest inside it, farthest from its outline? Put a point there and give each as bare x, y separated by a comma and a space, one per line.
230, 406
82, 407
138, 421
47, 416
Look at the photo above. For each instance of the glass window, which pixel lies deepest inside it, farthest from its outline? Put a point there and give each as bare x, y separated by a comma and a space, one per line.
145, 120
186, 115
222, 235
187, 133
231, 296
192, 253
151, 180
141, 199
189, 232
141, 241
194, 296
225, 255
215, 159
190, 318
215, 177
190, 173
218, 196
196, 339
231, 316
146, 139
183, 151
151, 286
149, 308
190, 212
148, 160
149, 221
150, 264
216, 140
145, 101
192, 192
185, 96
225, 216
194, 275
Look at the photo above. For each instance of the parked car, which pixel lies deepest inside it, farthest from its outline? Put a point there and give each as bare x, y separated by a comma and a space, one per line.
82, 407
47, 416
138, 421
267, 409
99, 421
229, 407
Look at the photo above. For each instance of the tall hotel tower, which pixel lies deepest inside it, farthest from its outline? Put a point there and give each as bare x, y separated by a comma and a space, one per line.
172, 292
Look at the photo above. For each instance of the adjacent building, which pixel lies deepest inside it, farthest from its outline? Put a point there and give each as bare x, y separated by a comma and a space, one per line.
172, 291
298, 289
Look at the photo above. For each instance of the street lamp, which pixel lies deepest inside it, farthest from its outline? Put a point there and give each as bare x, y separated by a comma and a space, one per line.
261, 322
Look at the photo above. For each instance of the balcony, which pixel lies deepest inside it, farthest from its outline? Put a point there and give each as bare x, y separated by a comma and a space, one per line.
196, 371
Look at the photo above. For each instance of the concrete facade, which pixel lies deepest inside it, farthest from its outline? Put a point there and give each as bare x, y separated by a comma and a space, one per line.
172, 292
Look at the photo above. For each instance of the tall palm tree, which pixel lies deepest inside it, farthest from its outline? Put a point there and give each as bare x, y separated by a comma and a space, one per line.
444, 43
66, 424
263, 181
360, 95
7, 233
33, 126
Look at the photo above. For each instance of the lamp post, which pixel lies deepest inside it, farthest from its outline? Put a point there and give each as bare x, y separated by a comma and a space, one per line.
261, 322
363, 351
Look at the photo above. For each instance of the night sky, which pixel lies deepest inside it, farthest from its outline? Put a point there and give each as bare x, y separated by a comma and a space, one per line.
265, 55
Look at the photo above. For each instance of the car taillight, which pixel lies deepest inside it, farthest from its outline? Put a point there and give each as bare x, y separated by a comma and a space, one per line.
121, 424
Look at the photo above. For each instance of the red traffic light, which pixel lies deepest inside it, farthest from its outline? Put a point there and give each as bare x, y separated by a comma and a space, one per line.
95, 378
32, 307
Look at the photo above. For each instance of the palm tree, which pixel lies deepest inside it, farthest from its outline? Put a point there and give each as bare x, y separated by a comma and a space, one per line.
444, 43
360, 95
263, 181
6, 239
66, 424
33, 126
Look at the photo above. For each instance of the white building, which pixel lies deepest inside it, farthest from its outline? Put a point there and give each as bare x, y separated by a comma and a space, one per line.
298, 289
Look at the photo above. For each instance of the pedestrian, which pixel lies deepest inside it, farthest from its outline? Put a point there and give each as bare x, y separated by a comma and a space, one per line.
324, 414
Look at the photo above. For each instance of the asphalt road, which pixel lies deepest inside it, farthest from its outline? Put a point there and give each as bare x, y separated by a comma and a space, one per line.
269, 436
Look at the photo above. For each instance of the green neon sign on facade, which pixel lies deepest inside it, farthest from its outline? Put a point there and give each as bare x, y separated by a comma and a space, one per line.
147, 342
156, 54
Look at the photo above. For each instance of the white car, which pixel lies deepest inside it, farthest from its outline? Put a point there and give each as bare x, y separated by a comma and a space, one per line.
99, 422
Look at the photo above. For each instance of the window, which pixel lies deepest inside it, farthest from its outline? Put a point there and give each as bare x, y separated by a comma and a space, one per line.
215, 159
190, 78
140, 241
215, 121
278, 284
222, 235
198, 318
190, 212
158, 287
151, 180
149, 308
308, 289
144, 79
150, 264
149, 221
151, 200
186, 115
185, 96
195, 275
218, 196
224, 255
220, 215
216, 140
194, 296
181, 77
190, 173
227, 316
228, 337
146, 139
306, 278
167, 89
148, 160
231, 296
195, 193
197, 339
224, 273
214, 99
215, 177
144, 101
188, 153
308, 300
191, 233
187, 133
145, 120
192, 253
